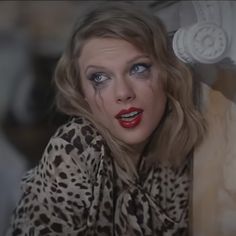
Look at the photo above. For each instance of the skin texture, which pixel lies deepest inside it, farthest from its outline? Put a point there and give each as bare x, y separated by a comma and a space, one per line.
115, 75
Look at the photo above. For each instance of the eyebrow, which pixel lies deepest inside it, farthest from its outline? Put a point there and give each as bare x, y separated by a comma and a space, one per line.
128, 62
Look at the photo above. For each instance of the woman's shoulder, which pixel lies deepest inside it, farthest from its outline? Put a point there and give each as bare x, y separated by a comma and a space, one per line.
78, 125
79, 132
75, 149
77, 144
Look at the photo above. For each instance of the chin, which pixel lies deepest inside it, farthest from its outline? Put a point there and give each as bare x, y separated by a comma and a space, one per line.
133, 137
135, 140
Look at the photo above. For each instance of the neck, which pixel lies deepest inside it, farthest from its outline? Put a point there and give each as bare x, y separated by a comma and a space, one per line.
137, 152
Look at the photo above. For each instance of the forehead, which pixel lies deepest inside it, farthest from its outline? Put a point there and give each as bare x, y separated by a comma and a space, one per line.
108, 48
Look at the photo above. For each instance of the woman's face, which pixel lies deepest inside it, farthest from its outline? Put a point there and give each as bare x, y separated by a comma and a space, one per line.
122, 87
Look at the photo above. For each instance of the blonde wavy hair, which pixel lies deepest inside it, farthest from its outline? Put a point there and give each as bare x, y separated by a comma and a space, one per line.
182, 127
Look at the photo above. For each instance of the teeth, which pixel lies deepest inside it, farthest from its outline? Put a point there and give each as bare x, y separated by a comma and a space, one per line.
129, 115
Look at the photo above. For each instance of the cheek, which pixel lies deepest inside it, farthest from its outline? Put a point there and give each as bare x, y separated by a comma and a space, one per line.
101, 110
155, 90
98, 103
159, 97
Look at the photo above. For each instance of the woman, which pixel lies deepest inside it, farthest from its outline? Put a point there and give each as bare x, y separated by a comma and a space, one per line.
122, 164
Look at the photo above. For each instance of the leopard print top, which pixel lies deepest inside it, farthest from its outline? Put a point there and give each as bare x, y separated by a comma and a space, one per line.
75, 190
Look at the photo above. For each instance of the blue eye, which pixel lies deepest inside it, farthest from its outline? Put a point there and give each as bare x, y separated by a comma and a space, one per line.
98, 78
140, 68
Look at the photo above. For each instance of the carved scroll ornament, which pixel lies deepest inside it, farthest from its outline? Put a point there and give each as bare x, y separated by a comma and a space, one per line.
209, 39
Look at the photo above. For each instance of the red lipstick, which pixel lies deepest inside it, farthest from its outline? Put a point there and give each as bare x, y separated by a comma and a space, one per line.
130, 118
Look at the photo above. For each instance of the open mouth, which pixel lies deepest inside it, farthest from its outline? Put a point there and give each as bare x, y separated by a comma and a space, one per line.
130, 118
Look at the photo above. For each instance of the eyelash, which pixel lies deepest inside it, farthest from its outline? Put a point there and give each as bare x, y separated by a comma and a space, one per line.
133, 71
146, 68
95, 76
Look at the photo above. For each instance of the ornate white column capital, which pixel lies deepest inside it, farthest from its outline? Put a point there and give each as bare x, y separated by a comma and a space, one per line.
209, 39
203, 42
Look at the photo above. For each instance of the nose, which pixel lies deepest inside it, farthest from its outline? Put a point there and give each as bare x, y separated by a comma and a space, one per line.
124, 91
